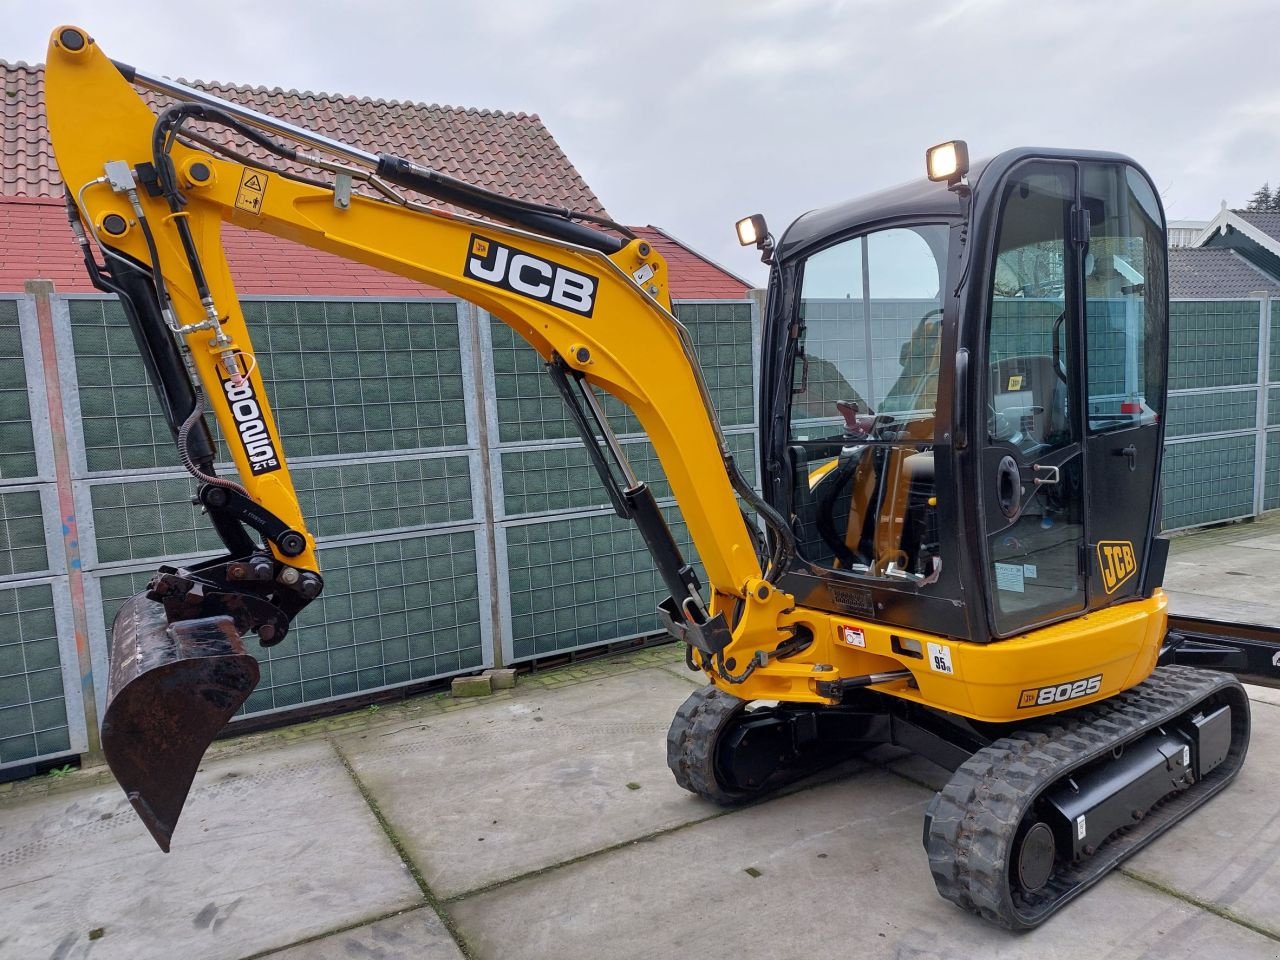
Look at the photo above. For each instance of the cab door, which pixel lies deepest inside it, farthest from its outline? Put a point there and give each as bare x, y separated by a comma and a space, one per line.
1126, 327
1032, 467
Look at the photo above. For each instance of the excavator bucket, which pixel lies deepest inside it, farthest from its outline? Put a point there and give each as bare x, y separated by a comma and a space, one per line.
170, 689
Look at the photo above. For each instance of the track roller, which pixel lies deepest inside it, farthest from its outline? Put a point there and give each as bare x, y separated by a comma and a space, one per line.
727, 751
694, 740
1042, 814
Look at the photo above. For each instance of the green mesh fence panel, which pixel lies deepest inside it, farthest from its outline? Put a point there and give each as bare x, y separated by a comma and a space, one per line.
149, 518
137, 519
22, 545
361, 377
1212, 343
1274, 368
391, 612
1273, 407
1207, 480
1271, 490
835, 364
721, 335
582, 580
17, 444
529, 409
1202, 413
839, 367
1022, 327
342, 378
33, 712
123, 426
348, 499
1106, 343
562, 478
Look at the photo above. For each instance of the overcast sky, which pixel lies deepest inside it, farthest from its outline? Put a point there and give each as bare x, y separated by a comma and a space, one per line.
690, 114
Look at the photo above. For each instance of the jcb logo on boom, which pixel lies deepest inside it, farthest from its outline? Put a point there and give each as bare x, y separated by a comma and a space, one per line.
259, 448
1117, 563
510, 269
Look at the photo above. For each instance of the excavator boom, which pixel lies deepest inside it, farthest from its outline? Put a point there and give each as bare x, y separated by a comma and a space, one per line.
153, 193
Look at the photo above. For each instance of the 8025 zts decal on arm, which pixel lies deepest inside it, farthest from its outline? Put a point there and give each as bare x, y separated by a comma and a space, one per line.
506, 267
259, 448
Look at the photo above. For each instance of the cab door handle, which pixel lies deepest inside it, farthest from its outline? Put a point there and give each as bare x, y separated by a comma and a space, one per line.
1130, 452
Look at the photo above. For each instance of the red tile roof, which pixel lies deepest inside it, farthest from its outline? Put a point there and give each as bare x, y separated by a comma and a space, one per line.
510, 152
693, 276
35, 242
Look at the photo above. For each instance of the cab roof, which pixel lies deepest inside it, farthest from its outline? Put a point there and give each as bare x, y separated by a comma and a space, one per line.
920, 199
917, 198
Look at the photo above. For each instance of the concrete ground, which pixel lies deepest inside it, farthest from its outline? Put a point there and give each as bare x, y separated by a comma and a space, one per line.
543, 823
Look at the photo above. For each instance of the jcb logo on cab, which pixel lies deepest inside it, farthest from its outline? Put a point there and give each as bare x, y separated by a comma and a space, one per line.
1117, 563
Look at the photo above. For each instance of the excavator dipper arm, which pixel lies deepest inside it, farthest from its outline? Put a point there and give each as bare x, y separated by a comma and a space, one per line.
154, 193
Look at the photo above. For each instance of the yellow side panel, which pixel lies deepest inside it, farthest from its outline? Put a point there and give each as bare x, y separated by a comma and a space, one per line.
1079, 661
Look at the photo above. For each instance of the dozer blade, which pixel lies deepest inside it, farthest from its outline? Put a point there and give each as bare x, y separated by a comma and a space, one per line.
170, 689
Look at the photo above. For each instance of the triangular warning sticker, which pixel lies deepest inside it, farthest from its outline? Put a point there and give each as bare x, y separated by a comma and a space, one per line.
253, 183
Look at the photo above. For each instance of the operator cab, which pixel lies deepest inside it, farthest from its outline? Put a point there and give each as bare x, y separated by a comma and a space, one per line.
962, 393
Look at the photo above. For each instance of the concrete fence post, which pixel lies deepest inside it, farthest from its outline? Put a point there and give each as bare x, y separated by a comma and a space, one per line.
478, 413
42, 293
1264, 395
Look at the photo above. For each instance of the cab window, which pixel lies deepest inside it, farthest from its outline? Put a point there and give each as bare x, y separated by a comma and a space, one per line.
1124, 303
864, 394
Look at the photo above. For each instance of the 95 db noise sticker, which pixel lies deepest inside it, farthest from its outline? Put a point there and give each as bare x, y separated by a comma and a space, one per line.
940, 658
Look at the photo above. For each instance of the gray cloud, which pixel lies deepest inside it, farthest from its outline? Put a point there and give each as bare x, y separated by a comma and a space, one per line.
691, 114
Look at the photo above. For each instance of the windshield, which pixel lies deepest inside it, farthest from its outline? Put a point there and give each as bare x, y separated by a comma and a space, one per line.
871, 312
865, 380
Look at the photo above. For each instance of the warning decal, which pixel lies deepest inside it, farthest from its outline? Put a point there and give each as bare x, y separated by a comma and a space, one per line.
853, 637
253, 187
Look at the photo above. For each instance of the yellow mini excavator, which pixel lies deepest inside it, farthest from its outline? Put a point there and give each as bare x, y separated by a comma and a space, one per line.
962, 417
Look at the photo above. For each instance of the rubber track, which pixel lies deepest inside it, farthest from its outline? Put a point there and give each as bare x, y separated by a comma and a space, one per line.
692, 740
974, 819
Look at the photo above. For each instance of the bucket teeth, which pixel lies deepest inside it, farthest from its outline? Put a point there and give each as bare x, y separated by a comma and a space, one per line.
170, 689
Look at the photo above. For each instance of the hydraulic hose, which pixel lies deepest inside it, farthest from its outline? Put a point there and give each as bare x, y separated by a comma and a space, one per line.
197, 411
784, 538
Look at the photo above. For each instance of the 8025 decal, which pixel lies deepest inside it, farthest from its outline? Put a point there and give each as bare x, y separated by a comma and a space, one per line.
1060, 693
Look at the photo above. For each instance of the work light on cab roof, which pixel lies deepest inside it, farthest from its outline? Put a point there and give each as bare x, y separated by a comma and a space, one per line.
753, 230
947, 161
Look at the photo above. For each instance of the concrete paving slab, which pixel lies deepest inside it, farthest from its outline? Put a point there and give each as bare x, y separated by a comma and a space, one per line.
1228, 852
1237, 572
496, 791
1222, 604
1267, 695
835, 870
273, 847
416, 934
1270, 541
685, 674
